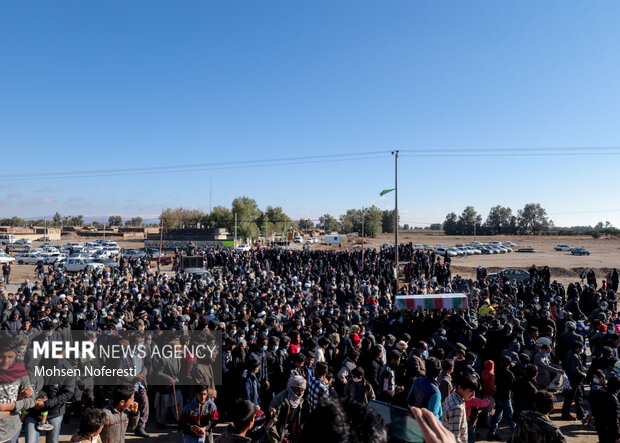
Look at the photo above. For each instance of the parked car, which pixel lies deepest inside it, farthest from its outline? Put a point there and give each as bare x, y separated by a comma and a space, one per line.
443, 251
466, 251
21, 243
474, 244
579, 251
387, 246
298, 239
56, 258
511, 274
562, 248
154, 254
473, 250
5, 258
29, 257
458, 252
243, 248
511, 244
134, 253
107, 262
80, 264
486, 250
309, 241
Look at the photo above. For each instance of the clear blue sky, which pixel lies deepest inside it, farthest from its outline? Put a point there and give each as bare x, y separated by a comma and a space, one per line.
132, 84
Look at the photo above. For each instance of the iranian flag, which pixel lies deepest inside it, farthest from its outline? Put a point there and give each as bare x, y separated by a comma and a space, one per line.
432, 301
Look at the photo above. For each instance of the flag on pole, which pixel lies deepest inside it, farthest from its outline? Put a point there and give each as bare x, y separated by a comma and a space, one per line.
385, 191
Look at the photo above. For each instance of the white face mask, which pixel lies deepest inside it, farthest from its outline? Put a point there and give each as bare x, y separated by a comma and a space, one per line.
357, 380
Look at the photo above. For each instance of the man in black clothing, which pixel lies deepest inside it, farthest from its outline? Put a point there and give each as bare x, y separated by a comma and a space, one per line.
576, 372
606, 411
6, 272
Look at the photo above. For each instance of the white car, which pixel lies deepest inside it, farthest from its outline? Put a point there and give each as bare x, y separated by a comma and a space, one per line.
57, 258
70, 245
112, 250
134, 253
79, 264
465, 250
298, 239
473, 250
458, 252
81, 255
107, 262
511, 244
243, 248
562, 248
442, 251
309, 241
101, 253
5, 258
29, 257
387, 246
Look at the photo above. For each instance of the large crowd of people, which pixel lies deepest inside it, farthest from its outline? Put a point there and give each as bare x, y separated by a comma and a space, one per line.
311, 342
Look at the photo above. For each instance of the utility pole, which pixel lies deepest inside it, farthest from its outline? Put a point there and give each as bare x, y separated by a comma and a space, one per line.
211, 195
474, 231
235, 242
396, 214
362, 264
104, 229
161, 233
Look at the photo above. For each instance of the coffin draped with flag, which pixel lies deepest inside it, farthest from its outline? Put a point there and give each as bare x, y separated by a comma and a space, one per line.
432, 301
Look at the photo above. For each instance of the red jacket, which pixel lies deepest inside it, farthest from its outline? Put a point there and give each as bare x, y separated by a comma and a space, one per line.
488, 379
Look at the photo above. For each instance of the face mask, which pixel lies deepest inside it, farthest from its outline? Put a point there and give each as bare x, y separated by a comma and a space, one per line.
596, 381
21, 349
547, 354
264, 348
357, 380
276, 347
535, 300
425, 354
603, 308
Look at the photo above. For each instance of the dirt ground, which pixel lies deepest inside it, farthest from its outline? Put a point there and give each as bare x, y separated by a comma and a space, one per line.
605, 255
565, 267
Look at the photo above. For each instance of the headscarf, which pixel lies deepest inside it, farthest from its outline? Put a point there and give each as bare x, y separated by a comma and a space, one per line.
296, 381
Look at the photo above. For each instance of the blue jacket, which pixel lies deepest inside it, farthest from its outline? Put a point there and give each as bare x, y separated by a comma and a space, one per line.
250, 388
425, 393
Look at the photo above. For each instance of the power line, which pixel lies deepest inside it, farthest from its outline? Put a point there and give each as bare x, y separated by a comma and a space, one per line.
286, 161
324, 158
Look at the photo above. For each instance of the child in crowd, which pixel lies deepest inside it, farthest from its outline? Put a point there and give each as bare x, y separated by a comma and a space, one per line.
121, 414
454, 414
199, 416
91, 425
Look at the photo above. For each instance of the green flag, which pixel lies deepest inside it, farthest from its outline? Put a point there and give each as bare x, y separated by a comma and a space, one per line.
385, 191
